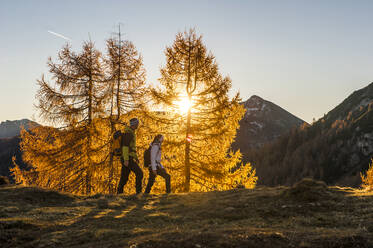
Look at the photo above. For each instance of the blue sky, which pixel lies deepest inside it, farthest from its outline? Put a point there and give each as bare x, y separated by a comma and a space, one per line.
305, 56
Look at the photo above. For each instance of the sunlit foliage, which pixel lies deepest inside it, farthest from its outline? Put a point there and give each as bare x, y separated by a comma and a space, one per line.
90, 95
368, 178
74, 100
210, 123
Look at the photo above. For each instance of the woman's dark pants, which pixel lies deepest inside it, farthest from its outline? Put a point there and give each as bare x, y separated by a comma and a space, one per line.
162, 172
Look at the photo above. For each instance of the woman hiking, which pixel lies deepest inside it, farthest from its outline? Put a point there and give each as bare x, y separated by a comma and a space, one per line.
155, 167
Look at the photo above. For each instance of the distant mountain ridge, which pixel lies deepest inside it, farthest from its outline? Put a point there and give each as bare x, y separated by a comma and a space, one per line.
10, 147
352, 106
9, 129
334, 149
262, 123
9, 144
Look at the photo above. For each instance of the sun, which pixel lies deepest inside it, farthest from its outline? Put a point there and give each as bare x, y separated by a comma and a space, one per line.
183, 104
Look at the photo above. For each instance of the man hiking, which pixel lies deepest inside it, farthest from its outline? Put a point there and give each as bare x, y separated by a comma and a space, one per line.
129, 157
155, 166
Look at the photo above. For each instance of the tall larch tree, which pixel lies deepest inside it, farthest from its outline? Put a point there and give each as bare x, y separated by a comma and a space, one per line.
68, 158
199, 140
126, 87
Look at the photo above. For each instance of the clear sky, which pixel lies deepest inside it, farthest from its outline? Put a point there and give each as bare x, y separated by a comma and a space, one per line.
305, 56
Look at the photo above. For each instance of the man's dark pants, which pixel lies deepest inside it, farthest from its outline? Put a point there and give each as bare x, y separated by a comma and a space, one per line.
134, 167
162, 172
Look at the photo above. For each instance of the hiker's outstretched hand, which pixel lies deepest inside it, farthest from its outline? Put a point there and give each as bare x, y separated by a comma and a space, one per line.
126, 163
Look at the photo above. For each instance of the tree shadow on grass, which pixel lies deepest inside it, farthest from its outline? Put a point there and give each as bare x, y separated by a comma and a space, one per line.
113, 219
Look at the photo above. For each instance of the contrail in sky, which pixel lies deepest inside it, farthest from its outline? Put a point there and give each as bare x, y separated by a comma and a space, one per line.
59, 35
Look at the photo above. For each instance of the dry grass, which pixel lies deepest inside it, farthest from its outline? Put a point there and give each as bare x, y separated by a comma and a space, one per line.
310, 214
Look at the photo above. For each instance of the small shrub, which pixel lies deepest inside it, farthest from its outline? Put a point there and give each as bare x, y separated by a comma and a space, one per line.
308, 190
368, 178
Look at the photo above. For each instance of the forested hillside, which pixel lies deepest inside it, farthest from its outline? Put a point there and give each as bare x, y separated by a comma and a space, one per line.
9, 148
334, 149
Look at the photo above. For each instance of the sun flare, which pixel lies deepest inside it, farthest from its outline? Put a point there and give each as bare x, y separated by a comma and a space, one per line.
183, 104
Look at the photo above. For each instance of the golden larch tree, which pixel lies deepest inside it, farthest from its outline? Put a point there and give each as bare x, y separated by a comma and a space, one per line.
198, 139
126, 89
69, 157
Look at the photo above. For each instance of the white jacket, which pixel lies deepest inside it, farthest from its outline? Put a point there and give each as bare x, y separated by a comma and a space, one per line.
156, 156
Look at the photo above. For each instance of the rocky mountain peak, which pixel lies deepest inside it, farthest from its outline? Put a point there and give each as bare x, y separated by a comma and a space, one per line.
257, 106
254, 99
263, 122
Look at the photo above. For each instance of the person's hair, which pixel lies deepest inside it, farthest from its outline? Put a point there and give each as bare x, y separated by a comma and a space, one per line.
157, 138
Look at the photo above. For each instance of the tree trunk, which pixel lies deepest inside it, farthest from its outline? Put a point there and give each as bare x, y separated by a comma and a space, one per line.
187, 143
90, 117
111, 160
187, 154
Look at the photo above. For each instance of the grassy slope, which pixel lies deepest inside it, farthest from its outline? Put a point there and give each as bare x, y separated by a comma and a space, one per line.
307, 215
